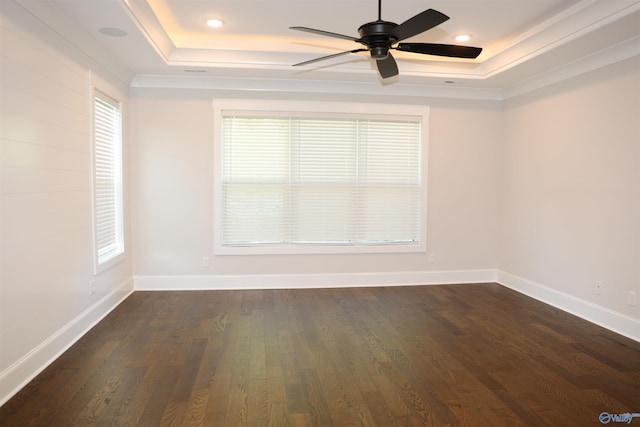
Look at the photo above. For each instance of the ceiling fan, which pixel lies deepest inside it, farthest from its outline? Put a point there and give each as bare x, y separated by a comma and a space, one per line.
378, 37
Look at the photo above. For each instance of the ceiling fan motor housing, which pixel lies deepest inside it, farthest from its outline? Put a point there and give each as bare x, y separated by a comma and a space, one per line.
377, 37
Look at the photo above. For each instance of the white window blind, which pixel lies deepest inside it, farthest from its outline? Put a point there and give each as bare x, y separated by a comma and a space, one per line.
289, 180
109, 239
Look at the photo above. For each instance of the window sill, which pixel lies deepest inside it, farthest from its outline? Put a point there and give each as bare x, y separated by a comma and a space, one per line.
105, 265
318, 249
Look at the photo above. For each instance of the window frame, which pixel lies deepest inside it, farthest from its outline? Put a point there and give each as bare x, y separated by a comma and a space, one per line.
116, 255
320, 109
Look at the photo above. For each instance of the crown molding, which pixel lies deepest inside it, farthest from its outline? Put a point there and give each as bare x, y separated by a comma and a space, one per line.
326, 87
620, 52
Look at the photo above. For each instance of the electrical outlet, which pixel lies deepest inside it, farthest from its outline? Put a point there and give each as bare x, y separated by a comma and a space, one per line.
598, 288
633, 299
205, 262
92, 287
432, 258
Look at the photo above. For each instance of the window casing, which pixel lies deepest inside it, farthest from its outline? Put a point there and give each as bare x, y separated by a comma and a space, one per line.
107, 181
319, 178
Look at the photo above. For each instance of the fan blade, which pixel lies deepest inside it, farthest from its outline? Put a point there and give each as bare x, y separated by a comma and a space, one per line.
323, 33
387, 67
418, 24
322, 58
451, 50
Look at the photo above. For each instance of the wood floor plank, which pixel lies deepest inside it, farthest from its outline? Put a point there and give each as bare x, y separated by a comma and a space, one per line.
216, 410
196, 408
454, 355
163, 385
314, 401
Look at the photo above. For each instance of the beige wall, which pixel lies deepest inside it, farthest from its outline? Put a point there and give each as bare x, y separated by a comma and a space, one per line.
173, 194
571, 203
46, 261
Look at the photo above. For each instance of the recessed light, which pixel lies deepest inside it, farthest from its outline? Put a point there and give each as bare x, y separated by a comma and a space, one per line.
463, 37
214, 23
113, 32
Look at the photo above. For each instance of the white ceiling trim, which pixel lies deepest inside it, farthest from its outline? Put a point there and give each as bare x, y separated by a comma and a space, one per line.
584, 18
142, 15
326, 87
620, 52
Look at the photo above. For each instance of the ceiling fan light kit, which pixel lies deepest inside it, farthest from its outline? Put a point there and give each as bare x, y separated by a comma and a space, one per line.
379, 37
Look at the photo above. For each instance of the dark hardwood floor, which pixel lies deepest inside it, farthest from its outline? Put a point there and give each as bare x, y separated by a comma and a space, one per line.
467, 355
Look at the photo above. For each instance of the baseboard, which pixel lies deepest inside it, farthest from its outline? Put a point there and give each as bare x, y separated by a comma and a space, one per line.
16, 376
302, 281
614, 321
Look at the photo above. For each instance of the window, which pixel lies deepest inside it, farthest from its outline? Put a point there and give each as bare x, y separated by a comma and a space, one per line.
107, 181
320, 181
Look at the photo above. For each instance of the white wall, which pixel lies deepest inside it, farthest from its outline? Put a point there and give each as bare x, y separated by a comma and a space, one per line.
173, 169
571, 204
46, 262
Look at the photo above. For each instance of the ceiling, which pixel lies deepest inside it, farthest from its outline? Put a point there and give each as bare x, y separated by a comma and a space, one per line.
521, 39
